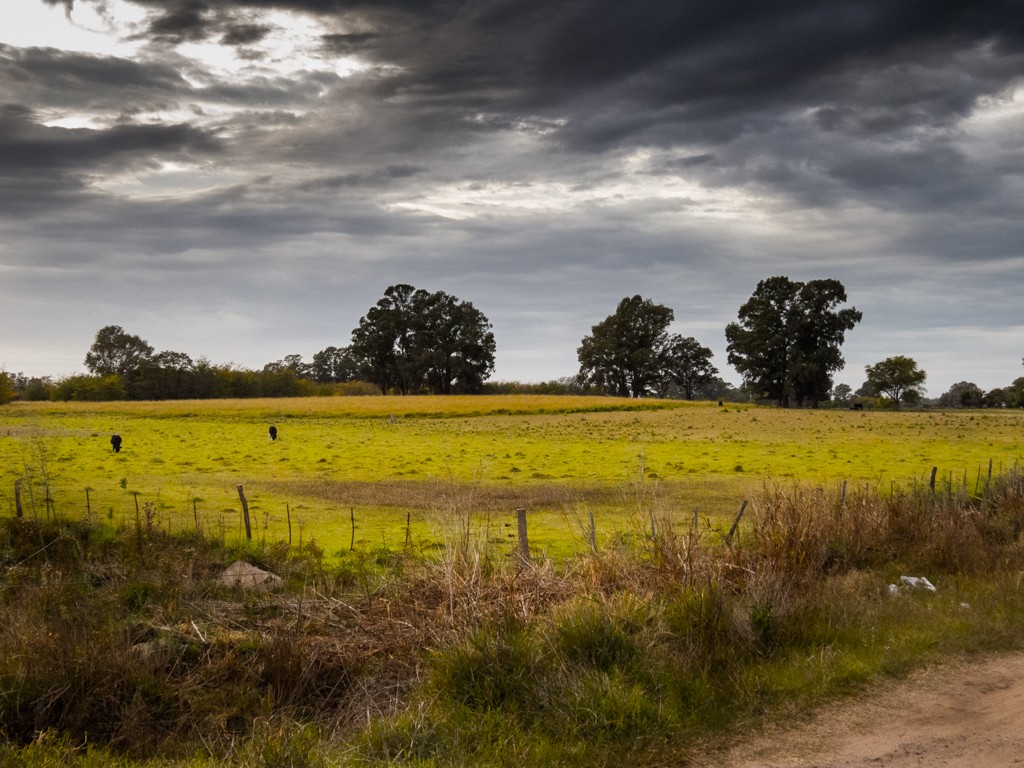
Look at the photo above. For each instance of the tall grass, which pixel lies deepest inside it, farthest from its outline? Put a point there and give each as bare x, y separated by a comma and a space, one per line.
120, 644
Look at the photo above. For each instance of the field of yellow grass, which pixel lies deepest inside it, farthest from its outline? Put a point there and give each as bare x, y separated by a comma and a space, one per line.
406, 469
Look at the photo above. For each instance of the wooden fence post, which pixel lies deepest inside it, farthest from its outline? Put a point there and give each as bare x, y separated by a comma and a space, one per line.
18, 511
593, 532
524, 543
245, 513
736, 522
288, 511
931, 480
138, 524
352, 514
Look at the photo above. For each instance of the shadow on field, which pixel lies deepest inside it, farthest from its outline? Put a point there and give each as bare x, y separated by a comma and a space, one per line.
713, 497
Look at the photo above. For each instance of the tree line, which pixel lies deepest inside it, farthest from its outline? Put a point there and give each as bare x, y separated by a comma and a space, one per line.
412, 341
786, 345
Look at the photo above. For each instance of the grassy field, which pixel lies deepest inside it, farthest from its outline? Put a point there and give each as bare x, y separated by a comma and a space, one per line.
121, 645
399, 467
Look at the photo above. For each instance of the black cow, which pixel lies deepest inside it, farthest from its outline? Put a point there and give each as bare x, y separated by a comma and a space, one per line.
115, 443
273, 432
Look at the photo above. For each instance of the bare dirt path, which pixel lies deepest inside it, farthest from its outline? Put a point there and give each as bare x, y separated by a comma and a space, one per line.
958, 715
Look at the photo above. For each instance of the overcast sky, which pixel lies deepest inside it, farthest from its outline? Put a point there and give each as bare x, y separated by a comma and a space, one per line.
242, 179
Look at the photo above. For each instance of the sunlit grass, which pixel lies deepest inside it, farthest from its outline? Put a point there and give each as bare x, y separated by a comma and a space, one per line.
398, 465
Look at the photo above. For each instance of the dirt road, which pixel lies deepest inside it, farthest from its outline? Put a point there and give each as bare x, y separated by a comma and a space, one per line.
964, 715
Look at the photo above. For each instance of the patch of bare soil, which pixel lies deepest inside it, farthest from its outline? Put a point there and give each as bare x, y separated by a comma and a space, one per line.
960, 715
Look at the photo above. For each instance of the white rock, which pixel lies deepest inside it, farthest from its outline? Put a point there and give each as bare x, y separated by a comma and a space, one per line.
917, 582
242, 574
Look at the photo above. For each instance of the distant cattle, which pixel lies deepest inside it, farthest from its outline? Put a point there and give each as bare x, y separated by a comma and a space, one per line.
857, 407
115, 443
273, 432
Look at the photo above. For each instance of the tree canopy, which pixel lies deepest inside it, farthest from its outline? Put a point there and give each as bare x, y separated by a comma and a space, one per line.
786, 344
116, 352
624, 353
963, 394
896, 377
688, 365
631, 353
334, 365
7, 392
413, 341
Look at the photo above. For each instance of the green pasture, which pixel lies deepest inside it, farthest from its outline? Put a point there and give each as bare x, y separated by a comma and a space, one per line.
425, 472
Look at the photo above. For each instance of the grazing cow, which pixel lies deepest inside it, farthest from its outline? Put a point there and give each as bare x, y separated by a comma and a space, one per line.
273, 432
115, 443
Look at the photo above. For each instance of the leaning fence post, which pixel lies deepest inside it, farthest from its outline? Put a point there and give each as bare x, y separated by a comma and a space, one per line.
352, 517
524, 542
736, 522
245, 514
931, 480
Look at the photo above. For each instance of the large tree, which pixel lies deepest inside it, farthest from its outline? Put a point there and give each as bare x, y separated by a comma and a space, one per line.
7, 392
963, 394
624, 355
116, 352
896, 377
688, 365
167, 375
1015, 393
787, 342
413, 340
334, 365
456, 343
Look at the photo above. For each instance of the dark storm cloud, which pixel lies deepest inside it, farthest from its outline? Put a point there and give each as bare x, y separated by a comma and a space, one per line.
25, 145
659, 73
46, 172
183, 22
244, 34
46, 76
349, 43
374, 179
785, 91
719, 53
